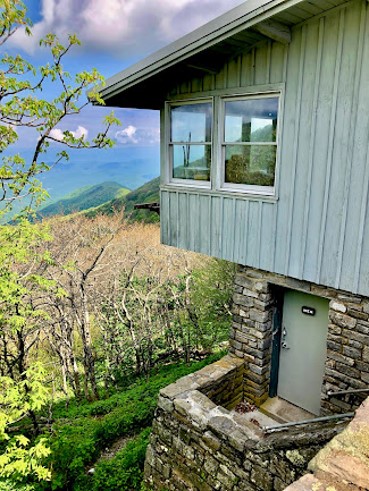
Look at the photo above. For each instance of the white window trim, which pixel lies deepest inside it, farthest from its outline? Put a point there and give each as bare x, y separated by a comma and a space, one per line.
170, 180
247, 189
216, 183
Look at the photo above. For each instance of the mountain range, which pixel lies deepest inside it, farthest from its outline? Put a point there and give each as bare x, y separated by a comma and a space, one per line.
106, 198
84, 198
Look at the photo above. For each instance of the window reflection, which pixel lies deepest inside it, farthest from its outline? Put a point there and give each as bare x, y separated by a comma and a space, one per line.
253, 120
190, 141
191, 123
195, 165
253, 165
250, 136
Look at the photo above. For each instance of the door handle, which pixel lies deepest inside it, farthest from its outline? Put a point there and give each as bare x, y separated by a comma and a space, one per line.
284, 334
284, 344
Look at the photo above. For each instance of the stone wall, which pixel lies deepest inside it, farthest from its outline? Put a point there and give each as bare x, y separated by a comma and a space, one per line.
347, 363
224, 385
199, 445
343, 464
251, 333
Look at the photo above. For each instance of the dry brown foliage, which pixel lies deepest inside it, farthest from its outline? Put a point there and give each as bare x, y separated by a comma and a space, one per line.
96, 262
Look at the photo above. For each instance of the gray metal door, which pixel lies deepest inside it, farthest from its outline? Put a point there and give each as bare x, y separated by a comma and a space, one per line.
303, 349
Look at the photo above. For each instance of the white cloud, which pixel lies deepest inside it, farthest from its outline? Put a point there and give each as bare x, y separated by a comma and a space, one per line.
80, 132
58, 134
127, 135
126, 27
138, 136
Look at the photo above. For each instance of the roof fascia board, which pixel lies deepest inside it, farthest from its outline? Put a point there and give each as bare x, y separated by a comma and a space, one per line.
242, 17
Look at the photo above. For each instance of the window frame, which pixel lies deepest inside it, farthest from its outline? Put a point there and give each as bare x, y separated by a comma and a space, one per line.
216, 184
169, 144
250, 189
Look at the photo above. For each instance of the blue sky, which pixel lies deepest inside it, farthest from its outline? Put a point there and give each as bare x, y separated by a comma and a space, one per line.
114, 35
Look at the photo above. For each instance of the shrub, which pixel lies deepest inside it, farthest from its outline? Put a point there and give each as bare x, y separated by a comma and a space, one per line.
125, 470
77, 440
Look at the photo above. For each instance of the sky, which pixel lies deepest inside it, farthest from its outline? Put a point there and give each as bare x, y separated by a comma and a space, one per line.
114, 35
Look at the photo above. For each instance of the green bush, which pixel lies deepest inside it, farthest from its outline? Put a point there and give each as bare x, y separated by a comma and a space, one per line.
84, 430
125, 470
80, 442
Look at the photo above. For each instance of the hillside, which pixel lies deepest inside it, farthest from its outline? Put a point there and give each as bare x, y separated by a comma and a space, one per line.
85, 198
148, 193
104, 437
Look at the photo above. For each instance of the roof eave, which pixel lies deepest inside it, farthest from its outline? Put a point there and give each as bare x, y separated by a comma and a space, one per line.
238, 19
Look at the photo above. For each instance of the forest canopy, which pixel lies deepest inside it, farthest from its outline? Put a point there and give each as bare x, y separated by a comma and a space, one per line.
87, 305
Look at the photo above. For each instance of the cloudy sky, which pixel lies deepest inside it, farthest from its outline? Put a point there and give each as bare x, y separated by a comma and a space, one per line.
114, 35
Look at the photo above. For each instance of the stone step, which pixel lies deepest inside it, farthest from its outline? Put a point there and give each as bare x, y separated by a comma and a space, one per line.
283, 411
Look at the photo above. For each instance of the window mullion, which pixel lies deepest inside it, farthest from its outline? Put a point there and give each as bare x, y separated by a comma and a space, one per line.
217, 168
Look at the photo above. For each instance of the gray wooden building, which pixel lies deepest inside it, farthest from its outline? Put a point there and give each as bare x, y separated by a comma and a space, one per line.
264, 162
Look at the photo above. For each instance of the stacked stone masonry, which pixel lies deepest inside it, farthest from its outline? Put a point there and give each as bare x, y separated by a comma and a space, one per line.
347, 362
343, 464
199, 445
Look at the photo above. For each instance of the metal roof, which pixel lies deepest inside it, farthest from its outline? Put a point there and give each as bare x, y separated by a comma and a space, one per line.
146, 84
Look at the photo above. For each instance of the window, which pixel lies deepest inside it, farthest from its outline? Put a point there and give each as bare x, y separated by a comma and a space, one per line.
235, 151
190, 141
249, 143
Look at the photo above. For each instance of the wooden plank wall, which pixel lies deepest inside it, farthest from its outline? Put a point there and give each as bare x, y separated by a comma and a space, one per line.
318, 228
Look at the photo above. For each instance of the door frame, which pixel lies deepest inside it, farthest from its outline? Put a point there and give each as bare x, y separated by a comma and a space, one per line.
276, 339
277, 327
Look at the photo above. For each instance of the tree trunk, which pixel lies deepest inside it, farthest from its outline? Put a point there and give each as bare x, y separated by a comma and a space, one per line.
73, 367
88, 357
23, 376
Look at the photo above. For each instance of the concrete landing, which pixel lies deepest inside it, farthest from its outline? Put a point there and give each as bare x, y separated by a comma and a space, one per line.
283, 411
256, 417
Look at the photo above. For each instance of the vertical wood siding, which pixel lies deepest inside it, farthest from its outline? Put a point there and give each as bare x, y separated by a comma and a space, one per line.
318, 229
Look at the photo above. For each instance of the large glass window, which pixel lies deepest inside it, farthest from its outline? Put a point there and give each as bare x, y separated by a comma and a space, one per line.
241, 140
250, 141
190, 141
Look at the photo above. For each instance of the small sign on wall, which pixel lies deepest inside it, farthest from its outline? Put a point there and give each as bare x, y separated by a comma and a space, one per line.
308, 310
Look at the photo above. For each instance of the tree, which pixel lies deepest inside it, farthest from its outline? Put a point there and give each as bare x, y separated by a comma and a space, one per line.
22, 462
23, 107
80, 266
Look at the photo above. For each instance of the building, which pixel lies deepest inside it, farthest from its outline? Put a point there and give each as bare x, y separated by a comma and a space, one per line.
264, 162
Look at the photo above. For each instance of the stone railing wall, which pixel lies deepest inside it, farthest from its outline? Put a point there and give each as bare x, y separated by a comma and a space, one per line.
343, 464
225, 382
201, 446
347, 362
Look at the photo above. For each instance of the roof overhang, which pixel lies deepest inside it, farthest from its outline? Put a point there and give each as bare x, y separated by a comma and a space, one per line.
146, 84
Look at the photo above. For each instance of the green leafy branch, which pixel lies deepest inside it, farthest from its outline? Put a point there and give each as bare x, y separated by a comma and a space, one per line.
21, 459
22, 106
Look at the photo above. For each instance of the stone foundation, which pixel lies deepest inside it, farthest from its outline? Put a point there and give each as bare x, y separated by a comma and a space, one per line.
197, 444
347, 365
